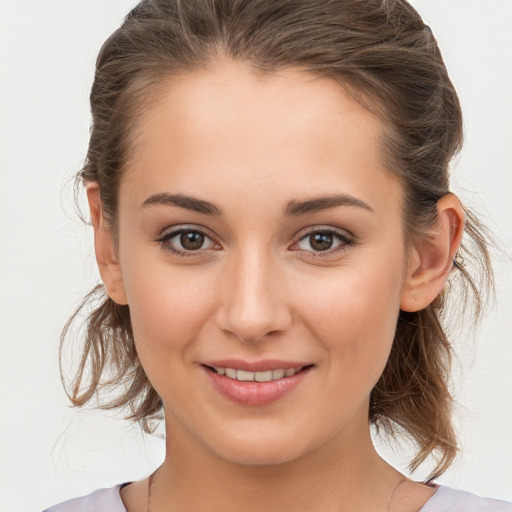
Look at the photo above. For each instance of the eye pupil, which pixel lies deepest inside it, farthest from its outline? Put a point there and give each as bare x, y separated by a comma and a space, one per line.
321, 241
191, 240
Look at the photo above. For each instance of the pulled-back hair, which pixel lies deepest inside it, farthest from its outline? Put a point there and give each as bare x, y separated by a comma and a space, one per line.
382, 53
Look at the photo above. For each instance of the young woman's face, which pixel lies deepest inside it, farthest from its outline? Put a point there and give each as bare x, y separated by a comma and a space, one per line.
260, 232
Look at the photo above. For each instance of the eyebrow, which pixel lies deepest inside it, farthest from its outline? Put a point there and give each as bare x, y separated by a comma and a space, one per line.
187, 202
293, 208
318, 204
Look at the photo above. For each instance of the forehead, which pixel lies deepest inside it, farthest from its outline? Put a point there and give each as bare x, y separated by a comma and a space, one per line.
288, 131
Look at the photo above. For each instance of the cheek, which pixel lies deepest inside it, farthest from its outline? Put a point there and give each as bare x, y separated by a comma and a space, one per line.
354, 315
168, 307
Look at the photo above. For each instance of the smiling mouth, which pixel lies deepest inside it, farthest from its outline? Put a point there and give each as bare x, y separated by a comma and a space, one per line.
266, 376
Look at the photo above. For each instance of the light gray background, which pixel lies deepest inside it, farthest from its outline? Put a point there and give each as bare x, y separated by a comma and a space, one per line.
48, 452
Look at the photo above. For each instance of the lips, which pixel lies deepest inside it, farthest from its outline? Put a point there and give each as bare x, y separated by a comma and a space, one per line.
255, 383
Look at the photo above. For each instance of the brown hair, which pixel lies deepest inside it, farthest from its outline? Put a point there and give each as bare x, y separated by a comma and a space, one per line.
384, 55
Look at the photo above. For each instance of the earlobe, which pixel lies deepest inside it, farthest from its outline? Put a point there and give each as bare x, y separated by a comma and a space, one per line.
431, 260
109, 267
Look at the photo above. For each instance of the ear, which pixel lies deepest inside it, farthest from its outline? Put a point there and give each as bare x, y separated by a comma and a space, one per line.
104, 247
431, 261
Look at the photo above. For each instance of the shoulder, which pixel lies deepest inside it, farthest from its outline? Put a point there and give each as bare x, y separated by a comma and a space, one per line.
447, 499
102, 500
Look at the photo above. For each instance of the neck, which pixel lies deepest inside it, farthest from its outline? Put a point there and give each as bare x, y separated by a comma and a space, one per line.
339, 474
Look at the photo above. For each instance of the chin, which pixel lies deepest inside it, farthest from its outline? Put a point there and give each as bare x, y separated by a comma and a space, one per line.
262, 451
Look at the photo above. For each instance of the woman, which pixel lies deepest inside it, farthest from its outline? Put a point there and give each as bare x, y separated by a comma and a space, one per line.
268, 185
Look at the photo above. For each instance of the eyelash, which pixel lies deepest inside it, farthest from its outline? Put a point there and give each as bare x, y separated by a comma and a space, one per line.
346, 241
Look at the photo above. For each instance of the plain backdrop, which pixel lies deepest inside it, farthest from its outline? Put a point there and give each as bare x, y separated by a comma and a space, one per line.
49, 452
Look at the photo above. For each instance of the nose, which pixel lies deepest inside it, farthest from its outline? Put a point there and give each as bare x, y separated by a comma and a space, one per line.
254, 304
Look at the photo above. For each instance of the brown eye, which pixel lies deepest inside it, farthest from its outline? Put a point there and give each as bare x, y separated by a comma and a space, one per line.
321, 241
187, 242
192, 240
326, 241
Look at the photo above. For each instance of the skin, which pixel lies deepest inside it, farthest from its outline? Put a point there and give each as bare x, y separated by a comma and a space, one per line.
258, 289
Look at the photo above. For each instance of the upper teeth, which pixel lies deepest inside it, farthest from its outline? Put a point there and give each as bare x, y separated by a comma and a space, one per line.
257, 376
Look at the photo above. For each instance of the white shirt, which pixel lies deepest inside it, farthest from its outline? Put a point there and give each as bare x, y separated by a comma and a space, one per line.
444, 500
